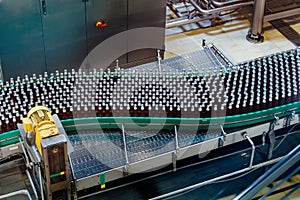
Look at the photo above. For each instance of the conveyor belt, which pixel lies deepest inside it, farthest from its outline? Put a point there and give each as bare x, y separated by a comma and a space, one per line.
198, 61
96, 151
257, 85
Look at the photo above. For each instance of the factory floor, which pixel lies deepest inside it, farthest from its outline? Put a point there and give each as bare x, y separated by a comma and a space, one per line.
229, 36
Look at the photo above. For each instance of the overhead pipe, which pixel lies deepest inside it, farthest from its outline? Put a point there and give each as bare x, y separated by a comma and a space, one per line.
216, 10
184, 20
227, 3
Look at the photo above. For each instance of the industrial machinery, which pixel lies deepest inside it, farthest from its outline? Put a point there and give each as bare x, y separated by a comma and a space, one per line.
184, 12
47, 150
48, 38
131, 125
56, 35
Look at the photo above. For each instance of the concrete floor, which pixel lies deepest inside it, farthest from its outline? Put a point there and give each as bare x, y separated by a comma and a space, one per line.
294, 196
230, 37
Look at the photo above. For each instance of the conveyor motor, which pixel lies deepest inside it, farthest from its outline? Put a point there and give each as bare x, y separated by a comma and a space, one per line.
42, 132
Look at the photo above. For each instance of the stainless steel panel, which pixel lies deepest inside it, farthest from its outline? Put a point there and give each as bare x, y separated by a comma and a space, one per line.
114, 12
21, 42
146, 14
64, 34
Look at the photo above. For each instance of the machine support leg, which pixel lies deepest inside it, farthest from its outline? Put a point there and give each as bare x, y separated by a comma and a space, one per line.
253, 149
25, 154
174, 160
176, 138
271, 136
255, 34
41, 182
222, 137
32, 185
174, 155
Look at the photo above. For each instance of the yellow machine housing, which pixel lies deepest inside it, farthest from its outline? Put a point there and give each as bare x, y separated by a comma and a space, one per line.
39, 120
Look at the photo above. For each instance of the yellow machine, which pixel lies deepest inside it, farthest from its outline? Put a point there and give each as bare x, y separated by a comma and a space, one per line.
40, 122
42, 131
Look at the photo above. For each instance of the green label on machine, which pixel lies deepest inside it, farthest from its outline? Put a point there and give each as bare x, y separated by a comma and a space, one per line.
102, 180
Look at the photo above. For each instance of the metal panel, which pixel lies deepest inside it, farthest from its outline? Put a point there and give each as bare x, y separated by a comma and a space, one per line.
64, 34
141, 14
21, 43
114, 12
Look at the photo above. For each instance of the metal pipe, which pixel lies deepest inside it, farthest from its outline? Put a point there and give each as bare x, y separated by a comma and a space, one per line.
19, 192
159, 60
226, 3
290, 192
272, 174
253, 149
283, 14
41, 182
32, 184
195, 186
125, 146
176, 138
184, 20
280, 183
216, 10
255, 33
258, 17
25, 153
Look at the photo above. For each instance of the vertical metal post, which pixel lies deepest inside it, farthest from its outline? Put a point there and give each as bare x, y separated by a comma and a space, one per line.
255, 34
174, 155
176, 138
125, 149
253, 150
159, 60
271, 138
25, 153
32, 185
222, 137
41, 182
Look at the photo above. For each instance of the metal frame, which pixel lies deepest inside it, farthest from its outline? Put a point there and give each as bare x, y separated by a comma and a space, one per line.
19, 192
179, 153
215, 7
252, 147
198, 185
255, 34
201, 14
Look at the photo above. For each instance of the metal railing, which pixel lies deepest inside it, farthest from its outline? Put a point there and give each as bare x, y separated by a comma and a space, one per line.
271, 175
19, 192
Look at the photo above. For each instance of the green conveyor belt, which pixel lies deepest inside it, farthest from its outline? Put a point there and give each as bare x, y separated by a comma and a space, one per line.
228, 122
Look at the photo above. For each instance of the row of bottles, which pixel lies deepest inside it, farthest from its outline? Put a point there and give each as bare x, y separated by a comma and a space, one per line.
254, 85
